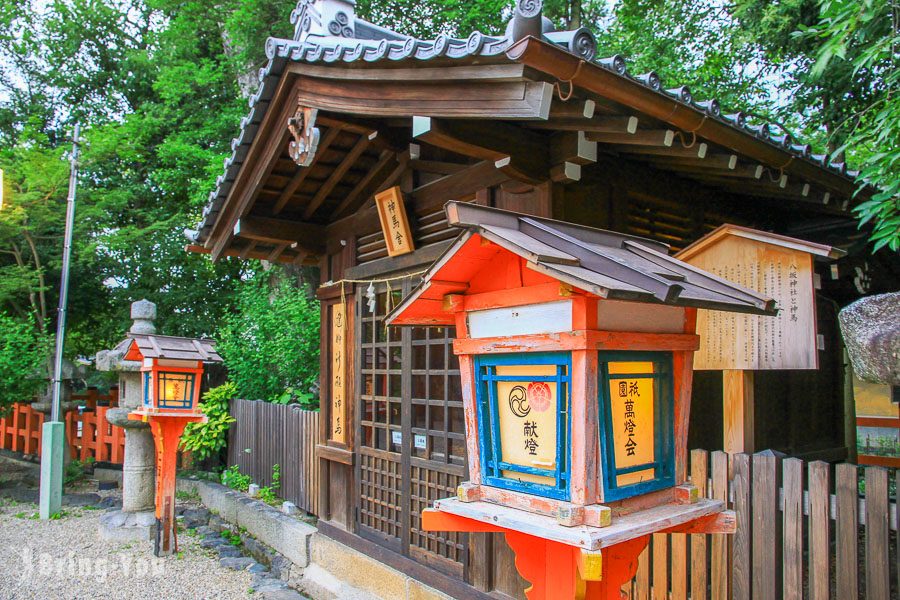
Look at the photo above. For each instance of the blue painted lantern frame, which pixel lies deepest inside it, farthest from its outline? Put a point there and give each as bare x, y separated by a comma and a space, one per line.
492, 464
663, 426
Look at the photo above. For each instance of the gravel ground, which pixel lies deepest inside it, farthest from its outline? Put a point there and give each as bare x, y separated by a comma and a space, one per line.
66, 558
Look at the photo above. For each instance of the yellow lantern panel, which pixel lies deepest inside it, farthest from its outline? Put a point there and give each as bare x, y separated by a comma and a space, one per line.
527, 414
175, 390
632, 412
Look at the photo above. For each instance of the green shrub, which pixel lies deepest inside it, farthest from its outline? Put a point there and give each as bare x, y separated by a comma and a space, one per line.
207, 440
233, 478
270, 345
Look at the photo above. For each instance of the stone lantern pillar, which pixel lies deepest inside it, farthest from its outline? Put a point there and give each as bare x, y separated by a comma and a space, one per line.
137, 518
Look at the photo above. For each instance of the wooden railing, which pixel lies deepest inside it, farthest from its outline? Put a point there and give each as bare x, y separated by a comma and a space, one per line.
267, 434
88, 434
805, 530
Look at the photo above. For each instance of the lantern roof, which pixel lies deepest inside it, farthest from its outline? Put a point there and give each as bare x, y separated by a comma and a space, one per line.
171, 347
604, 263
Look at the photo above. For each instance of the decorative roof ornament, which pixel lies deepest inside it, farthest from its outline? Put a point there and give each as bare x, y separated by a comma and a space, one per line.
335, 18
306, 135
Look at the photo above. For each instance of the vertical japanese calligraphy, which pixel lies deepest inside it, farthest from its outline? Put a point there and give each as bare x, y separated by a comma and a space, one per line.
527, 412
394, 224
338, 373
632, 398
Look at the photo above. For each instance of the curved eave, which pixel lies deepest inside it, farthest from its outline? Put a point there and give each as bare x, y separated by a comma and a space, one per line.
594, 78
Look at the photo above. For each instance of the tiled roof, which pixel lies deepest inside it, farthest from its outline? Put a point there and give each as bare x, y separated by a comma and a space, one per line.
327, 31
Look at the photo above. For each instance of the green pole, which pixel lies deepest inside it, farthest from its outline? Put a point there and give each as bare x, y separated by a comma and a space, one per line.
53, 434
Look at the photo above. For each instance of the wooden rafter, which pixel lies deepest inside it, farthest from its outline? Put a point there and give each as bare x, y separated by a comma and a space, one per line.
250, 251
519, 153
303, 172
308, 236
698, 150
349, 203
336, 175
601, 124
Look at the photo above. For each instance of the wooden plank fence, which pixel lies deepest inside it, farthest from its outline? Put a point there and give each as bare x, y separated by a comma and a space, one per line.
267, 434
88, 434
805, 530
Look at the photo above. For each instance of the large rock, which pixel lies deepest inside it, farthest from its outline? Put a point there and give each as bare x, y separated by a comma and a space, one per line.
871, 328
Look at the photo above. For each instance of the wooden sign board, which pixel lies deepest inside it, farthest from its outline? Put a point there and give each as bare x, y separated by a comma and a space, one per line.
338, 373
394, 224
778, 267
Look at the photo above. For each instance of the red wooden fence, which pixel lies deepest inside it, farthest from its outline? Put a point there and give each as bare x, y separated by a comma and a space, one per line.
88, 433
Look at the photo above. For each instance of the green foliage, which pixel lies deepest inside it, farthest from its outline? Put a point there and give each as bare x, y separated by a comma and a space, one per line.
862, 39
75, 471
267, 493
270, 344
231, 537
206, 440
23, 350
233, 478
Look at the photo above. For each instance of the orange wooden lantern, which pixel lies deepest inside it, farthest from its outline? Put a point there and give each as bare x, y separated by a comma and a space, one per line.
575, 348
172, 368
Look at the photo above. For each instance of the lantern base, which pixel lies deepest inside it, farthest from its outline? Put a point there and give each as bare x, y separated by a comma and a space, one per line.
704, 516
583, 563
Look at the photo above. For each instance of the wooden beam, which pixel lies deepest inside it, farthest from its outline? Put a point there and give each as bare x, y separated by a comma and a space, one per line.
573, 147
246, 250
349, 203
601, 124
698, 150
437, 166
279, 249
308, 236
336, 175
565, 172
428, 198
435, 194
519, 153
303, 172
574, 109
250, 251
641, 137
438, 96
713, 160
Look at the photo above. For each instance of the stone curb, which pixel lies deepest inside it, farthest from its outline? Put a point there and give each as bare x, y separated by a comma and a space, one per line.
286, 535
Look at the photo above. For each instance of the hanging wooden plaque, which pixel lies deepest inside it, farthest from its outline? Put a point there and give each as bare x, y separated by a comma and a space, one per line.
394, 224
338, 373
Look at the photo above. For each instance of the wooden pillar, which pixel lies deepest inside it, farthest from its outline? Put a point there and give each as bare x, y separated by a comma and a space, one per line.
737, 396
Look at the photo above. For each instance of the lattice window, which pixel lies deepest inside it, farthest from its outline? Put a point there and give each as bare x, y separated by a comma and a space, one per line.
379, 502
438, 424
411, 431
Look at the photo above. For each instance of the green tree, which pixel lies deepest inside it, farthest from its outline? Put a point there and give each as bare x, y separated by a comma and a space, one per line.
22, 353
270, 344
863, 39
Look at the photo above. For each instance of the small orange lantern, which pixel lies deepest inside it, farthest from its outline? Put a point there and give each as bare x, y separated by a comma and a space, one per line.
172, 368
